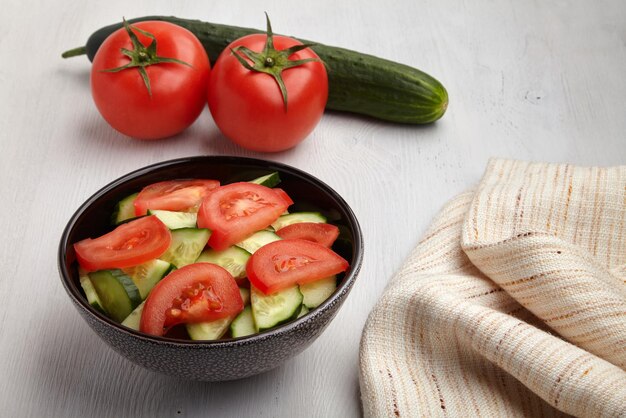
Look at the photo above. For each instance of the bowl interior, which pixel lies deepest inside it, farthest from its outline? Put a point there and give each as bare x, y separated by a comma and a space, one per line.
92, 219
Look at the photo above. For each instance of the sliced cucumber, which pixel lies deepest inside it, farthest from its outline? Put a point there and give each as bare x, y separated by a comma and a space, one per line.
275, 309
245, 295
233, 259
186, 246
270, 180
303, 311
147, 275
316, 292
212, 330
133, 320
90, 291
124, 210
244, 324
176, 220
118, 293
257, 240
297, 217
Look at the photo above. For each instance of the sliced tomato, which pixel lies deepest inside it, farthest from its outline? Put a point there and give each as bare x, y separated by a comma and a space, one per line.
195, 293
284, 263
175, 195
128, 245
323, 234
236, 211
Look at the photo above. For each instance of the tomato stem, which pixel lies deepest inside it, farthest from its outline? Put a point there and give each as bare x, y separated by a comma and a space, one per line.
271, 61
141, 56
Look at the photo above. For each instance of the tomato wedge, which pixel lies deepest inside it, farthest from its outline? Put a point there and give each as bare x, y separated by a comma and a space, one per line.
323, 234
195, 293
236, 211
281, 264
175, 195
127, 245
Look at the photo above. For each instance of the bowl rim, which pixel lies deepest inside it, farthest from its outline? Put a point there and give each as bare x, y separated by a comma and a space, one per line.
348, 281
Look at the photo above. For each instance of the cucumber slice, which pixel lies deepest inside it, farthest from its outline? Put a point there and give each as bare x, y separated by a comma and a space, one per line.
275, 309
186, 246
316, 292
244, 324
303, 311
269, 180
147, 275
297, 217
176, 220
212, 330
90, 292
233, 259
118, 293
133, 320
257, 240
124, 210
245, 295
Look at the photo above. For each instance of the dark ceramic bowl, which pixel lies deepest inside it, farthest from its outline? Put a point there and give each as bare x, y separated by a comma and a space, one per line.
230, 358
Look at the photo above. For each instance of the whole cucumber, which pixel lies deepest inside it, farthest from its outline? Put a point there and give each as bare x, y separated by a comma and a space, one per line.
358, 83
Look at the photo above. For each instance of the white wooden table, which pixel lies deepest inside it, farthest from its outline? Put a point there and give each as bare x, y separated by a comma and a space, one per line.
529, 80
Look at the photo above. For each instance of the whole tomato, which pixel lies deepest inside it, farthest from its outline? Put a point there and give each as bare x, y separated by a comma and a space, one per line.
246, 99
149, 80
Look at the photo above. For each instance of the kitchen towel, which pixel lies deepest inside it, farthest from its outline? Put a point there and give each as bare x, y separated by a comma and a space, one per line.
513, 303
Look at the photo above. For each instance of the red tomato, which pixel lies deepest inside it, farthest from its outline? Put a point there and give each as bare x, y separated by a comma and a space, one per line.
281, 264
248, 106
235, 211
127, 245
176, 195
323, 234
195, 293
178, 91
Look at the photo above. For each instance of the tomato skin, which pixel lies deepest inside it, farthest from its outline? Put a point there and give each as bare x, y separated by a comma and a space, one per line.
248, 107
128, 245
321, 233
174, 195
281, 264
155, 320
237, 210
178, 91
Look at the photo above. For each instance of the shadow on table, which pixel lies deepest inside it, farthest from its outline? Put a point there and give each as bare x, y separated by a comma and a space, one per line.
78, 375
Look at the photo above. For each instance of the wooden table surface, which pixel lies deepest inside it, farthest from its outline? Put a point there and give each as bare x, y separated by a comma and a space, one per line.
528, 80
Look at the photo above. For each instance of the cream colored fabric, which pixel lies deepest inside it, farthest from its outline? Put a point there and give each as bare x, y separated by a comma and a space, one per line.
513, 304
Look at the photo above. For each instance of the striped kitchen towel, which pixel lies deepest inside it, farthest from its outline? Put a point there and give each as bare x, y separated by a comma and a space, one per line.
513, 304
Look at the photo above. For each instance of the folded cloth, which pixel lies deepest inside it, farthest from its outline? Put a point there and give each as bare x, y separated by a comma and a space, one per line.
513, 304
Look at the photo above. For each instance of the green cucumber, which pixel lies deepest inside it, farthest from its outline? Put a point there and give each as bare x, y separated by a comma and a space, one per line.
186, 246
233, 259
303, 311
270, 180
175, 220
243, 324
316, 292
212, 330
124, 210
90, 292
275, 309
357, 82
133, 319
257, 240
298, 217
147, 275
118, 293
